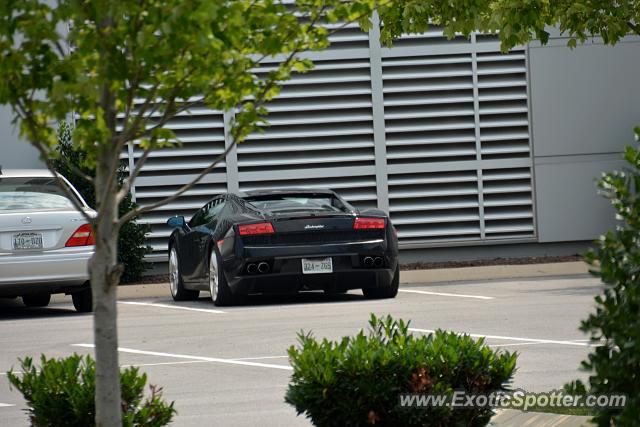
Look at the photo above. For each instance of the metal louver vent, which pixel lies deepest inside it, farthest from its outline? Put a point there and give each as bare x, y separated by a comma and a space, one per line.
428, 109
508, 207
457, 140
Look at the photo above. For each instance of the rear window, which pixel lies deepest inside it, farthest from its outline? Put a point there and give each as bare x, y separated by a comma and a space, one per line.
298, 202
32, 193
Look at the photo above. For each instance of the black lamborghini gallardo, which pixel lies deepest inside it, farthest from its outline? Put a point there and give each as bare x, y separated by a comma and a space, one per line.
282, 242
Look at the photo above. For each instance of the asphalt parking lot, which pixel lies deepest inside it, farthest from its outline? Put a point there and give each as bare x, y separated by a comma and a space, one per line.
229, 366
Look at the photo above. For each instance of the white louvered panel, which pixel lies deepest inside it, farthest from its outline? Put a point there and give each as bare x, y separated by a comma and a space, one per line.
434, 206
321, 122
347, 36
504, 135
502, 90
428, 108
508, 206
429, 118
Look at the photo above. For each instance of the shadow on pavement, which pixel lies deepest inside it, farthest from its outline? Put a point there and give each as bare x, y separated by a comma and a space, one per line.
274, 300
13, 309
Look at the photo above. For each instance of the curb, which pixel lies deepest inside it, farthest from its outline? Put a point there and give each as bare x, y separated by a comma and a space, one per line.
152, 290
494, 272
407, 277
515, 418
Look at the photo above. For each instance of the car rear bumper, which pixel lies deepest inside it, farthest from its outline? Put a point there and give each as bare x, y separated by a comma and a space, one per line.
51, 270
285, 268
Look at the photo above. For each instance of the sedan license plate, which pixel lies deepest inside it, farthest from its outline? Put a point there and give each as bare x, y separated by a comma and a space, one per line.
27, 241
317, 266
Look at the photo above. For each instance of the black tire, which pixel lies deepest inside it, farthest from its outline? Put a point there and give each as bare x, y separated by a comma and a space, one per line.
221, 294
39, 300
83, 301
389, 291
176, 286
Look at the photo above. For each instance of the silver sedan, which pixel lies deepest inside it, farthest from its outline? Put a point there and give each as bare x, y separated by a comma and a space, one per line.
45, 242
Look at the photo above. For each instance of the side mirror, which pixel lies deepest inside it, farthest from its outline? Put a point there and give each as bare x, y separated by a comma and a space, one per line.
177, 222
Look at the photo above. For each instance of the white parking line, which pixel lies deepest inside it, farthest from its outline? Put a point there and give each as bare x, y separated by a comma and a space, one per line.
185, 362
530, 340
201, 358
260, 358
174, 307
6, 405
444, 294
515, 344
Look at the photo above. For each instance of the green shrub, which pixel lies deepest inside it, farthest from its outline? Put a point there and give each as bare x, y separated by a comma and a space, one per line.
615, 365
358, 380
131, 239
61, 392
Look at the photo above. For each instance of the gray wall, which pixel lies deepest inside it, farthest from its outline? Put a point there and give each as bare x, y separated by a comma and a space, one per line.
584, 105
14, 152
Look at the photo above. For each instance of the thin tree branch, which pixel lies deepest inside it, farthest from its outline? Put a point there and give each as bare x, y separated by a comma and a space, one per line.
75, 169
140, 210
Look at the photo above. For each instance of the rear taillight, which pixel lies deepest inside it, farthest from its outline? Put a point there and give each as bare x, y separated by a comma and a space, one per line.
259, 228
368, 224
83, 236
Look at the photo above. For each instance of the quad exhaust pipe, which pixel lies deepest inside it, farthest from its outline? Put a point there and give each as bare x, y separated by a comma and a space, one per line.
370, 262
262, 267
252, 268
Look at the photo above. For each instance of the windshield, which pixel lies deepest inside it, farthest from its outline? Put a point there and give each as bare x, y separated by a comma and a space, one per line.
29, 193
294, 203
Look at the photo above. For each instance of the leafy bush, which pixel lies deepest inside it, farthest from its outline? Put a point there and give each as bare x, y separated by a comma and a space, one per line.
62, 392
615, 365
358, 380
131, 239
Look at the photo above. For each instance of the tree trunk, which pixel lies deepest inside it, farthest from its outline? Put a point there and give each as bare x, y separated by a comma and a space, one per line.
105, 276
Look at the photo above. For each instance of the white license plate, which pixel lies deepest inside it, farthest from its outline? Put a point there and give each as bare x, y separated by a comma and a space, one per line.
27, 241
317, 266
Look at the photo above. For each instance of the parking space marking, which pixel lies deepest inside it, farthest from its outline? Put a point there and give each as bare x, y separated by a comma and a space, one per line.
515, 344
201, 358
185, 362
6, 405
174, 307
530, 340
260, 358
444, 294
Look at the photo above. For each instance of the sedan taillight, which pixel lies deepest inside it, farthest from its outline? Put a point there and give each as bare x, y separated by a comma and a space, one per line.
368, 224
83, 236
252, 229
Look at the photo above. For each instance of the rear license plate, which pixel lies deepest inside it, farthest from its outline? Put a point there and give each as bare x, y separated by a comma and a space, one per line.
27, 241
317, 266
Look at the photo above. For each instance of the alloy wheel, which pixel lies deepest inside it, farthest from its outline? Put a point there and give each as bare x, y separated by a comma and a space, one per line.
213, 276
173, 272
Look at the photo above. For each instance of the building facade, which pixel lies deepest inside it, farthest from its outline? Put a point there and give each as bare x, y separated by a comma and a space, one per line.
473, 152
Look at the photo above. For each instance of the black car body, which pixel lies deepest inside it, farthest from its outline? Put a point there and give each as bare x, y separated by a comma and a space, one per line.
282, 242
